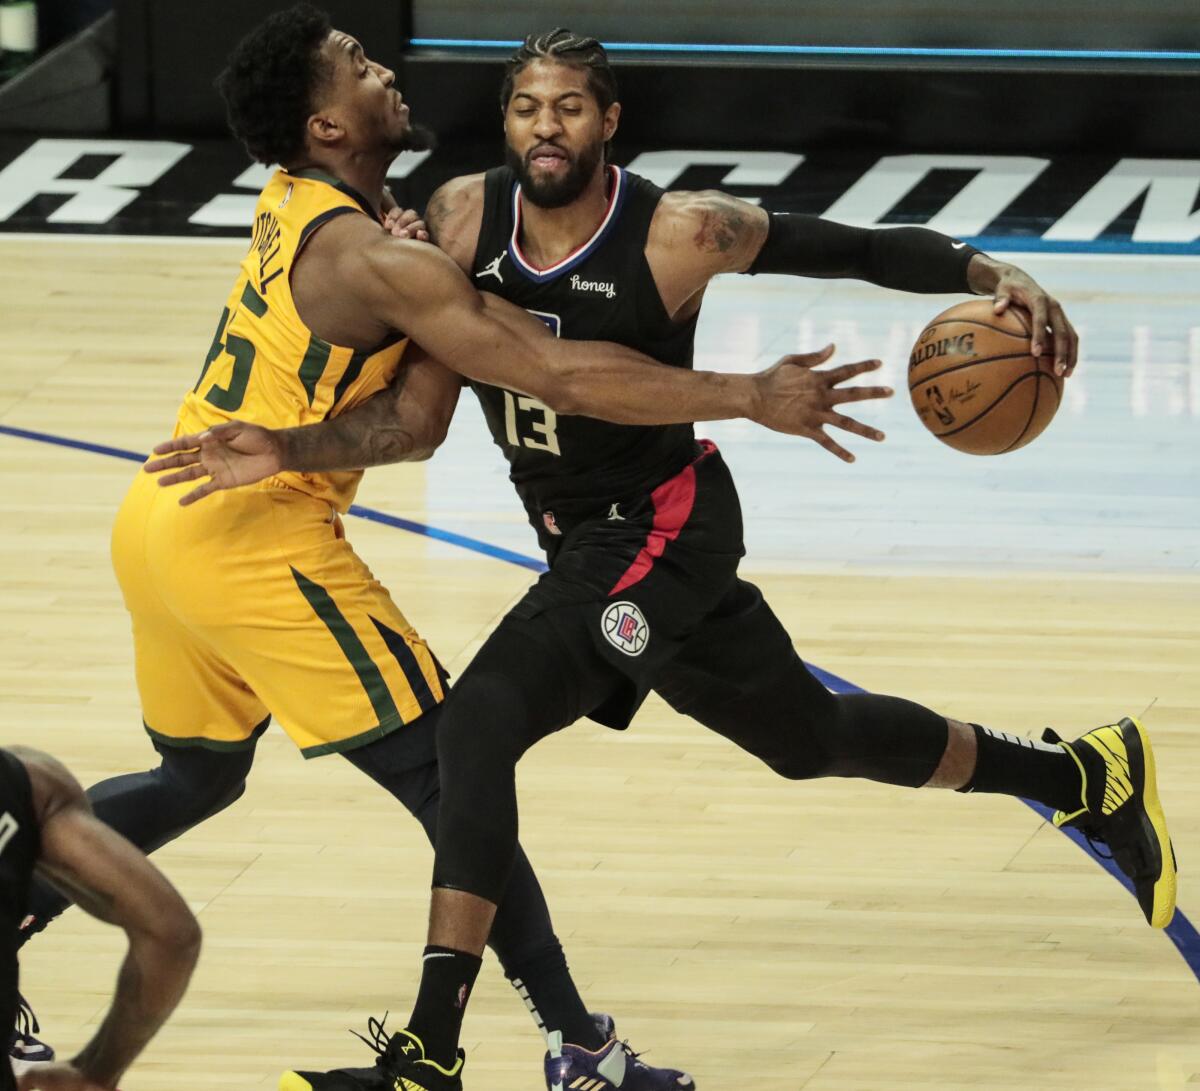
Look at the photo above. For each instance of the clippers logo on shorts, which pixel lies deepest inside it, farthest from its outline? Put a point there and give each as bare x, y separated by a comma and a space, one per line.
625, 628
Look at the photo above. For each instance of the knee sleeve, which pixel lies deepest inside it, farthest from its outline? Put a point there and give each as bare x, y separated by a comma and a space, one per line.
190, 785
205, 781
885, 739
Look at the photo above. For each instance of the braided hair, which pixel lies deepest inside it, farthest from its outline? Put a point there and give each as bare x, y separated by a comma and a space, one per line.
564, 47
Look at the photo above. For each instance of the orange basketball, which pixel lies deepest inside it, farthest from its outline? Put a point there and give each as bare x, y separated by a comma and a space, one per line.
974, 383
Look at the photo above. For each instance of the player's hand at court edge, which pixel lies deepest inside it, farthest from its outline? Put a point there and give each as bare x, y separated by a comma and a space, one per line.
406, 223
56, 1077
1053, 334
798, 399
229, 455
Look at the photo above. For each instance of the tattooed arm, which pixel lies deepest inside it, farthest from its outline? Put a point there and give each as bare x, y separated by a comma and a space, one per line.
454, 216
110, 879
406, 422
695, 236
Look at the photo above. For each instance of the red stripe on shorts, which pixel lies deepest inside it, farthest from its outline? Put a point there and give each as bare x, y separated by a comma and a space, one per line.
673, 501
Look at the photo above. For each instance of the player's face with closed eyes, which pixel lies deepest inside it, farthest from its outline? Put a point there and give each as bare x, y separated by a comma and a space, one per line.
555, 132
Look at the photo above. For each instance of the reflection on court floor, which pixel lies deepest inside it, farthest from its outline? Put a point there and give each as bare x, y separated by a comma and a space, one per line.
1113, 484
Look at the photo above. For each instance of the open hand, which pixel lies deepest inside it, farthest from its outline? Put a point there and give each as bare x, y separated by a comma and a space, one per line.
798, 399
406, 223
229, 455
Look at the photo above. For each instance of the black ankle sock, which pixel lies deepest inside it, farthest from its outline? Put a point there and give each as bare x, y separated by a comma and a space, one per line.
544, 983
447, 978
1012, 766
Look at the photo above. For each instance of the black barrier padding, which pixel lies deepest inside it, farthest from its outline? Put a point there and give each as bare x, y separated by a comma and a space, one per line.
171, 53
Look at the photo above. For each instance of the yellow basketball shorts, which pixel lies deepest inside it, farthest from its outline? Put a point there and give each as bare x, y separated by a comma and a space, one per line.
251, 604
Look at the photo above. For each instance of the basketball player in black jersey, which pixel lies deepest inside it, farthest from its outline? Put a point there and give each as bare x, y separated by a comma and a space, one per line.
642, 529
47, 825
303, 94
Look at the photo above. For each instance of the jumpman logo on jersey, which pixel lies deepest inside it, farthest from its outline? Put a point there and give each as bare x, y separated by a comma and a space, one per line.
613, 513
493, 270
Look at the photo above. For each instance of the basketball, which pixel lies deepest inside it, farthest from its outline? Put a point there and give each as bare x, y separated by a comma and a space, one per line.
974, 383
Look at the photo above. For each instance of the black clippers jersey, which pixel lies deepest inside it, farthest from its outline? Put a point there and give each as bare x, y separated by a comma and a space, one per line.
19, 846
570, 467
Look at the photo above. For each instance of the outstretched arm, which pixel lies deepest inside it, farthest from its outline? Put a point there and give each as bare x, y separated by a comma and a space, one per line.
110, 879
379, 283
698, 235
406, 422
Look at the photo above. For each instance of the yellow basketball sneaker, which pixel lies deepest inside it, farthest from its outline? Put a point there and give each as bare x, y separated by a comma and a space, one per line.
1120, 807
401, 1065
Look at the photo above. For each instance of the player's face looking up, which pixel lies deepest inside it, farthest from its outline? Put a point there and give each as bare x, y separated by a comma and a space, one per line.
358, 104
555, 132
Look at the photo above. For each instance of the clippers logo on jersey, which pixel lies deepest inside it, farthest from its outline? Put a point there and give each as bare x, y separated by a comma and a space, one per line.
8, 830
624, 627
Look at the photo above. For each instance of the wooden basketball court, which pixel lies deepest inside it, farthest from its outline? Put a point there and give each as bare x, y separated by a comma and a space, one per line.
767, 936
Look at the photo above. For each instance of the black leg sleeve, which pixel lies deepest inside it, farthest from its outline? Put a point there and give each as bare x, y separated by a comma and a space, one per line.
154, 807
522, 686
522, 934
741, 677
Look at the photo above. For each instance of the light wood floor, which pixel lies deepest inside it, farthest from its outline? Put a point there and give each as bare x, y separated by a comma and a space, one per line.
767, 936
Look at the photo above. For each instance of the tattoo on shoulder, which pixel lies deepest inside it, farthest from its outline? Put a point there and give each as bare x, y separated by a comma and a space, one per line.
437, 212
447, 202
723, 226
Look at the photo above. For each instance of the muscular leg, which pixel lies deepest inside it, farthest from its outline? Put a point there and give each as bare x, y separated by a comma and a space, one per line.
152, 808
522, 686
741, 677
522, 934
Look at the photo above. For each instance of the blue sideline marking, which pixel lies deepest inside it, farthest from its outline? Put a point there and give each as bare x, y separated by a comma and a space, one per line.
837, 50
448, 536
1035, 244
1181, 931
372, 514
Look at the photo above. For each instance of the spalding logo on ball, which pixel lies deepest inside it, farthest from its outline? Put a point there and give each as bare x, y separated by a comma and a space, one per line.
974, 383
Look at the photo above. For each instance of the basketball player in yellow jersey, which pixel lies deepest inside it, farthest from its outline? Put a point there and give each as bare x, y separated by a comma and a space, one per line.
254, 605
642, 590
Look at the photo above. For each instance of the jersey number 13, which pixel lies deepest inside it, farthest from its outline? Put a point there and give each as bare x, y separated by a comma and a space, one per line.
529, 423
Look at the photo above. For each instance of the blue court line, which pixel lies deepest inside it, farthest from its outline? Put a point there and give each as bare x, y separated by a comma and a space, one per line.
1035, 244
838, 50
463, 541
1181, 931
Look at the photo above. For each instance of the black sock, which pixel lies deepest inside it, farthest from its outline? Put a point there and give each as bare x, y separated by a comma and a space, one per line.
447, 977
544, 983
1010, 765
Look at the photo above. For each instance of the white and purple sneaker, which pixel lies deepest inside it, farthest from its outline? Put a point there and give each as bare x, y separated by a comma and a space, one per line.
615, 1067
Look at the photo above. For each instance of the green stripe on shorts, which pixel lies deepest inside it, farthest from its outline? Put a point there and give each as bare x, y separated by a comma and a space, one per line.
364, 666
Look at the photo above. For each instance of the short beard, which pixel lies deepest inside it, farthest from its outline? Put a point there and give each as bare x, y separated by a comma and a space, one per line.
417, 138
555, 192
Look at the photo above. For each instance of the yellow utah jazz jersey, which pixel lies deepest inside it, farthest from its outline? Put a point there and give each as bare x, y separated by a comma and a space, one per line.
265, 365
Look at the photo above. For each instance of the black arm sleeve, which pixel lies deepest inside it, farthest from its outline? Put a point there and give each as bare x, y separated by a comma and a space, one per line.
911, 259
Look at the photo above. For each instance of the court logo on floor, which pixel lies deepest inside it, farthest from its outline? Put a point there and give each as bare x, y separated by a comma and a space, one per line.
625, 628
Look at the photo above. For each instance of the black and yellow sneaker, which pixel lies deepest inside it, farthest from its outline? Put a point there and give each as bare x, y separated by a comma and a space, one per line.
1120, 808
400, 1065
